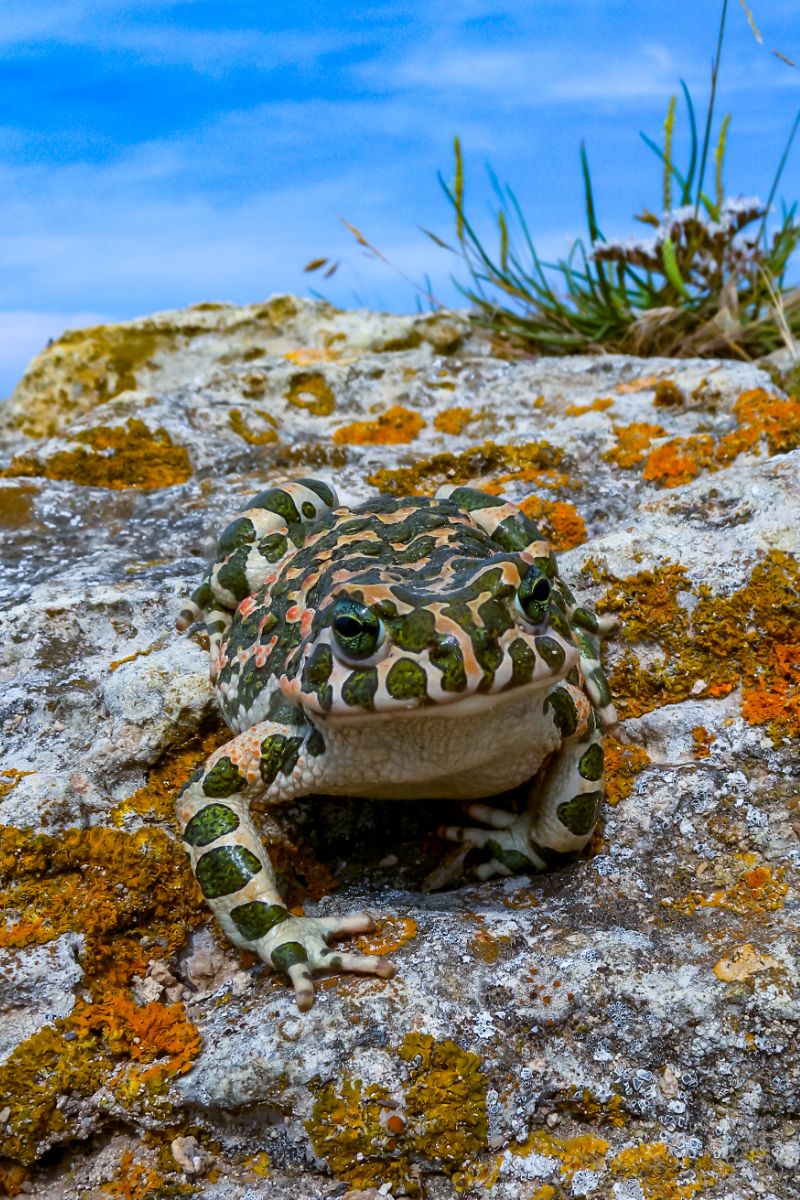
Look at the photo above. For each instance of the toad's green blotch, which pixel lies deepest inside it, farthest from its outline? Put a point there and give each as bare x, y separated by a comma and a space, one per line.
402, 649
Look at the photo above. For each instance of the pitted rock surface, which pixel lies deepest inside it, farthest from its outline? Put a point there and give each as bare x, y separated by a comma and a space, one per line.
623, 1028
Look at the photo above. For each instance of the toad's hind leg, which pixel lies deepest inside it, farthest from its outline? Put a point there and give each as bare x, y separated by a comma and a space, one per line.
563, 803
231, 865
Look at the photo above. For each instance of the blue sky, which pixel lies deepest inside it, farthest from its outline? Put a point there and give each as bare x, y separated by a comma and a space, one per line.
156, 153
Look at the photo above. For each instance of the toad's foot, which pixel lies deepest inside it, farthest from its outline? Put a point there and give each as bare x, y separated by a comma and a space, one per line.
508, 840
297, 946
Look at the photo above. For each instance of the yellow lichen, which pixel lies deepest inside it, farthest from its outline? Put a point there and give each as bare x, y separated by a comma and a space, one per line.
254, 437
116, 663
119, 456
582, 1105
16, 505
368, 1140
585, 1152
9, 778
662, 1176
310, 390
134, 1180
560, 522
445, 1102
668, 394
471, 466
394, 427
347, 1130
454, 420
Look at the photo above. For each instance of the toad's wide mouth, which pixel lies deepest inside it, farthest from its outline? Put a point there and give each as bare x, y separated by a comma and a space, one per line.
404, 683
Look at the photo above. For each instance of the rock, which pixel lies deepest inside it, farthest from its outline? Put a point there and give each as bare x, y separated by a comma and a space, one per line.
37, 985
625, 1027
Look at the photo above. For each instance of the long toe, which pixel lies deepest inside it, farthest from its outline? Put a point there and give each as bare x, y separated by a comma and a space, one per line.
303, 984
359, 964
496, 818
466, 834
343, 926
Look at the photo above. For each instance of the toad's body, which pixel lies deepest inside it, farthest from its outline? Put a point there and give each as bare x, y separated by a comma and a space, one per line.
404, 649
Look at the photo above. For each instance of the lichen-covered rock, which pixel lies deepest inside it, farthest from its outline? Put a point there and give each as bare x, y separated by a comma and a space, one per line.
625, 1028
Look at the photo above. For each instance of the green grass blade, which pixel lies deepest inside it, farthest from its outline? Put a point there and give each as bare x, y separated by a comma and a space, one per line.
671, 269
669, 127
648, 141
710, 110
594, 232
686, 195
458, 188
762, 233
719, 161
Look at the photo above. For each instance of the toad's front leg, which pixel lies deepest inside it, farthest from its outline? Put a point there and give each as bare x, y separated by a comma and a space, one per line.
232, 867
563, 804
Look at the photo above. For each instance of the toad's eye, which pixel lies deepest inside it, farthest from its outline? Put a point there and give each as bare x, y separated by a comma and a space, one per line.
357, 630
533, 596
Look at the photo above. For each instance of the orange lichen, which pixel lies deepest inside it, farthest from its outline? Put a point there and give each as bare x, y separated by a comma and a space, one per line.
762, 417
713, 645
560, 522
702, 741
469, 467
115, 888
254, 437
662, 1176
632, 443
622, 765
133, 1180
764, 420
310, 390
679, 460
389, 935
394, 427
305, 356
454, 420
119, 456
643, 384
130, 1051
757, 890
598, 405
743, 962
